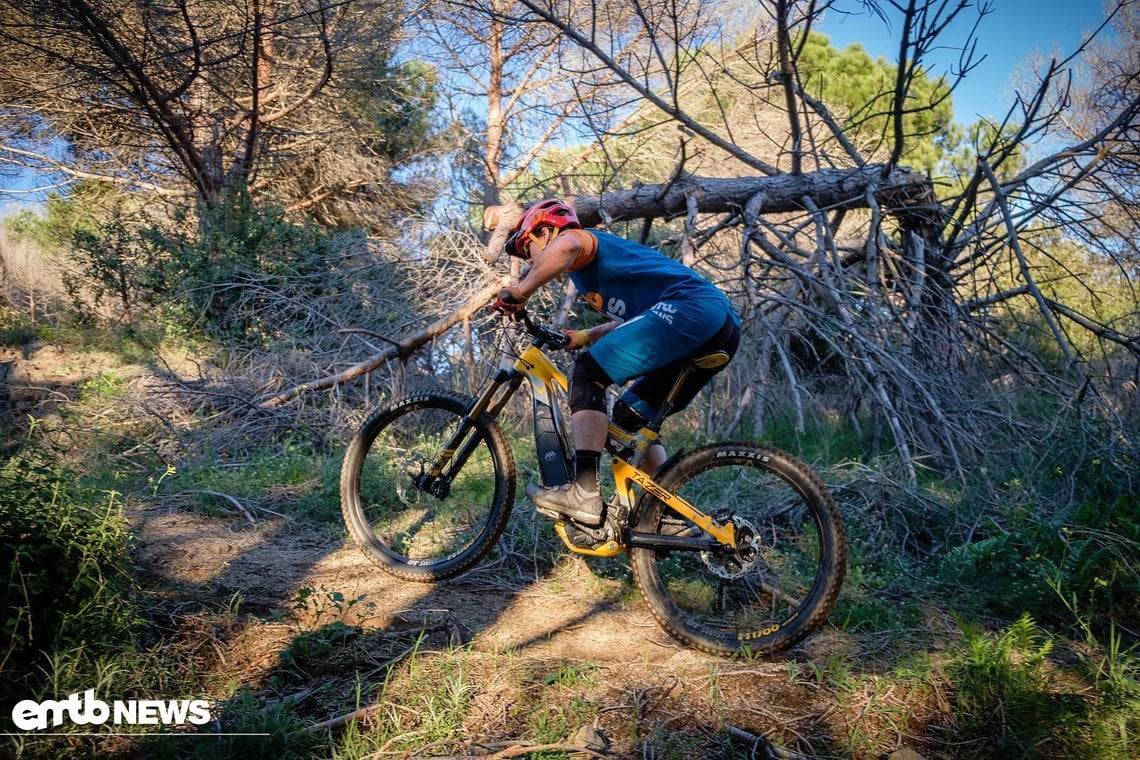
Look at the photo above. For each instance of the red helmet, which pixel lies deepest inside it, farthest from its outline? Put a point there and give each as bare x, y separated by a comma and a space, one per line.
554, 213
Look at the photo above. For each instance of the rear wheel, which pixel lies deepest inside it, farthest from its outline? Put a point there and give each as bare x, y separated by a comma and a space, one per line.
412, 525
781, 582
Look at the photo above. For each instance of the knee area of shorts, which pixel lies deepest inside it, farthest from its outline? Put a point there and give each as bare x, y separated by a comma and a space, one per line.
588, 385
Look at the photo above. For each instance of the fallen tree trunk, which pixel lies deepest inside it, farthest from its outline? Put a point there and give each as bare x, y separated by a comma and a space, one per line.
824, 189
783, 193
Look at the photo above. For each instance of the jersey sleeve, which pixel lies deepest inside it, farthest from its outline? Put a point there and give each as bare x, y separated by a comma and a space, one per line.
587, 249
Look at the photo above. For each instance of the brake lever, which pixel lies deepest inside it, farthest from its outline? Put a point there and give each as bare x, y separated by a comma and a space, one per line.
557, 341
554, 339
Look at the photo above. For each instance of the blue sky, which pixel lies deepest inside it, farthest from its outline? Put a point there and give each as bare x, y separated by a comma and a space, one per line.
1006, 37
1013, 31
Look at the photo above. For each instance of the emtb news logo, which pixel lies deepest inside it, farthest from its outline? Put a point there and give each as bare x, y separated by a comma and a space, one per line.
88, 710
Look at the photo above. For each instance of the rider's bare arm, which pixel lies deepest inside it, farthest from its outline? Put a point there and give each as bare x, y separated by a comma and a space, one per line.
600, 331
549, 263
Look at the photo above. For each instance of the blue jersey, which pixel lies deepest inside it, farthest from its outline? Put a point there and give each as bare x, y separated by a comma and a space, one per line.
625, 279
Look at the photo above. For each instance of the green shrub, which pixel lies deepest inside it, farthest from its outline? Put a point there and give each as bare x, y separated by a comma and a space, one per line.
210, 274
1011, 696
16, 328
1035, 541
63, 551
1005, 693
241, 273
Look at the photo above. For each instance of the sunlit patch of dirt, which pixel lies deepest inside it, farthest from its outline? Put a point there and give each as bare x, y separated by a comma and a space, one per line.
318, 626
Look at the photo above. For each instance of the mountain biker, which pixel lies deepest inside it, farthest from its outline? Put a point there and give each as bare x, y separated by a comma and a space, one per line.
662, 313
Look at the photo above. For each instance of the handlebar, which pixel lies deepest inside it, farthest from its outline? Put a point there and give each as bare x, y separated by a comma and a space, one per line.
543, 335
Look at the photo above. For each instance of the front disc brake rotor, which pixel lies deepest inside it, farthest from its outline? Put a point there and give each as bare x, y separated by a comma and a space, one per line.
407, 486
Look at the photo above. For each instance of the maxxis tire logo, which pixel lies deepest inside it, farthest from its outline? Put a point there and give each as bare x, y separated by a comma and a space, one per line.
758, 456
89, 710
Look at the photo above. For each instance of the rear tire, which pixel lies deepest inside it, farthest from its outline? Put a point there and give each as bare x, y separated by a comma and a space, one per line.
767, 598
408, 532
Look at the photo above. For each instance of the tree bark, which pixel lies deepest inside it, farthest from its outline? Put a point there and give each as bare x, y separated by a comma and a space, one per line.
828, 188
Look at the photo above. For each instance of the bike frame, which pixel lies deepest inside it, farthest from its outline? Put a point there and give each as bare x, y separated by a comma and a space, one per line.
552, 448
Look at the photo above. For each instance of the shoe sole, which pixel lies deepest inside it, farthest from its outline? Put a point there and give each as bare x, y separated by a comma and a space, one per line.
589, 519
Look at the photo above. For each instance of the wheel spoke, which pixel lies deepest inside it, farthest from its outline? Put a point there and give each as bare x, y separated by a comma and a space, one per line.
401, 520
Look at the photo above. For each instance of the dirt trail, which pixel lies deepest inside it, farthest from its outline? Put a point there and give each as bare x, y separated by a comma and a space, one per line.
573, 611
643, 681
565, 615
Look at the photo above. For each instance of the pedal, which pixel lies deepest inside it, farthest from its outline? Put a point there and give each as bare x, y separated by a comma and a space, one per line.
583, 538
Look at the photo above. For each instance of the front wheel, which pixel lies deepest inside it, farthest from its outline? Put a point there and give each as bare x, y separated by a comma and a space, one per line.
416, 524
781, 582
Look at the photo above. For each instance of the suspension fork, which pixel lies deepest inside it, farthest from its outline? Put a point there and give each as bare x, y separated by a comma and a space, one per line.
462, 444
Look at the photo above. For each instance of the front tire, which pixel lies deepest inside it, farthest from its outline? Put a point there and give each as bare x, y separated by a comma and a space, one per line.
408, 531
775, 592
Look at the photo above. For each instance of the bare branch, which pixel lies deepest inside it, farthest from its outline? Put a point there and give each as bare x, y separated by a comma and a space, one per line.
401, 349
566, 27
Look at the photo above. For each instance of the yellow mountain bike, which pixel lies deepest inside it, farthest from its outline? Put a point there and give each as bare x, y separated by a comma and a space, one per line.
734, 546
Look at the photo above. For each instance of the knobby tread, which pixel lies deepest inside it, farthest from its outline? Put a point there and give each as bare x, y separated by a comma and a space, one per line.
813, 611
357, 523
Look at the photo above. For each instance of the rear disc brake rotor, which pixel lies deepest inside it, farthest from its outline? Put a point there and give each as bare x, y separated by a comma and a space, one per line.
736, 564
